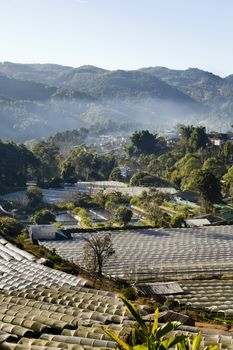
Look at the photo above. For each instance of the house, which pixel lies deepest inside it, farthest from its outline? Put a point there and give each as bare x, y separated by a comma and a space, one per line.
205, 220
218, 139
46, 232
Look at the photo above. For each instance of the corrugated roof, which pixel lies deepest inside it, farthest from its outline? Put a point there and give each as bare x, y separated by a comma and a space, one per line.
197, 222
163, 288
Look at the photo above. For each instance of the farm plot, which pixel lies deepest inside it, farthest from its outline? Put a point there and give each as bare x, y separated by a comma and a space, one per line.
213, 295
19, 269
71, 318
151, 254
56, 195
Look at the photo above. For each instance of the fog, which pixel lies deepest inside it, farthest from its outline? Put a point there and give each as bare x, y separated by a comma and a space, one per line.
21, 121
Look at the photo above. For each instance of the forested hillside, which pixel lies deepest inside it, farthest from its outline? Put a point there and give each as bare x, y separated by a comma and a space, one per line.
37, 100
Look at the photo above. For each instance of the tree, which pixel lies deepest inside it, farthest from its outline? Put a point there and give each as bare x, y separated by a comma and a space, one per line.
35, 196
215, 166
16, 164
156, 216
178, 220
116, 174
228, 181
97, 250
145, 142
192, 138
198, 139
228, 178
10, 226
43, 217
68, 172
227, 151
184, 171
209, 188
49, 158
123, 215
89, 165
141, 178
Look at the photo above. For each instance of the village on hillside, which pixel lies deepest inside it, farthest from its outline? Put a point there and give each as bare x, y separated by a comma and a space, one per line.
152, 225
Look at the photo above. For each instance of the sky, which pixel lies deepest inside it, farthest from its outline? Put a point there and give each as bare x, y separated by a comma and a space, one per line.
119, 34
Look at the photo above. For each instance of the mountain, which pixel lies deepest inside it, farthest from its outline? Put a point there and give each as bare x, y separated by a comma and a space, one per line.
37, 100
200, 85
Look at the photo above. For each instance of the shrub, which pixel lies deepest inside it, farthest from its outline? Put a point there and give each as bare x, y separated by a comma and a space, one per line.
35, 196
10, 226
130, 293
43, 217
154, 336
123, 215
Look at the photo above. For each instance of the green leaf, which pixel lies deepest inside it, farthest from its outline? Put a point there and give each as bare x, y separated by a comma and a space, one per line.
134, 312
197, 341
184, 345
140, 347
156, 321
211, 347
118, 340
171, 342
168, 327
134, 337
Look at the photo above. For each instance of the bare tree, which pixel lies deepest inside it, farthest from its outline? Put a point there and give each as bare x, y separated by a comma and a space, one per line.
97, 250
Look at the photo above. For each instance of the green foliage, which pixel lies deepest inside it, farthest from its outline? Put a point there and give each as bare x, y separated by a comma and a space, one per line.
209, 188
116, 174
16, 164
83, 216
227, 152
156, 217
193, 138
123, 215
184, 171
178, 220
228, 181
141, 178
10, 227
69, 138
215, 166
48, 156
35, 197
146, 143
89, 165
153, 336
43, 217
112, 200
130, 293
68, 172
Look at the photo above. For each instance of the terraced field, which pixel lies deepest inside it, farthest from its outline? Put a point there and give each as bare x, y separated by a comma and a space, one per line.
45, 309
57, 195
71, 318
213, 295
19, 269
152, 254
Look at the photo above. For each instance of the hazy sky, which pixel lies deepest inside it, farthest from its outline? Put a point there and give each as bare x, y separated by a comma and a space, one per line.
115, 34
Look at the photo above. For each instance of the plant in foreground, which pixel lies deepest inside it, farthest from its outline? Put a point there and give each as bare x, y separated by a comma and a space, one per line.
154, 336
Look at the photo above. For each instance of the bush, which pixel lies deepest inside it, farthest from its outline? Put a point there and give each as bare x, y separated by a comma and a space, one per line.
35, 196
56, 182
141, 178
130, 293
147, 336
123, 215
116, 174
43, 217
10, 226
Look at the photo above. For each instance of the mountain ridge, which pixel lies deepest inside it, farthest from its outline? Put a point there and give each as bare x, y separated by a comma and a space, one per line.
63, 97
